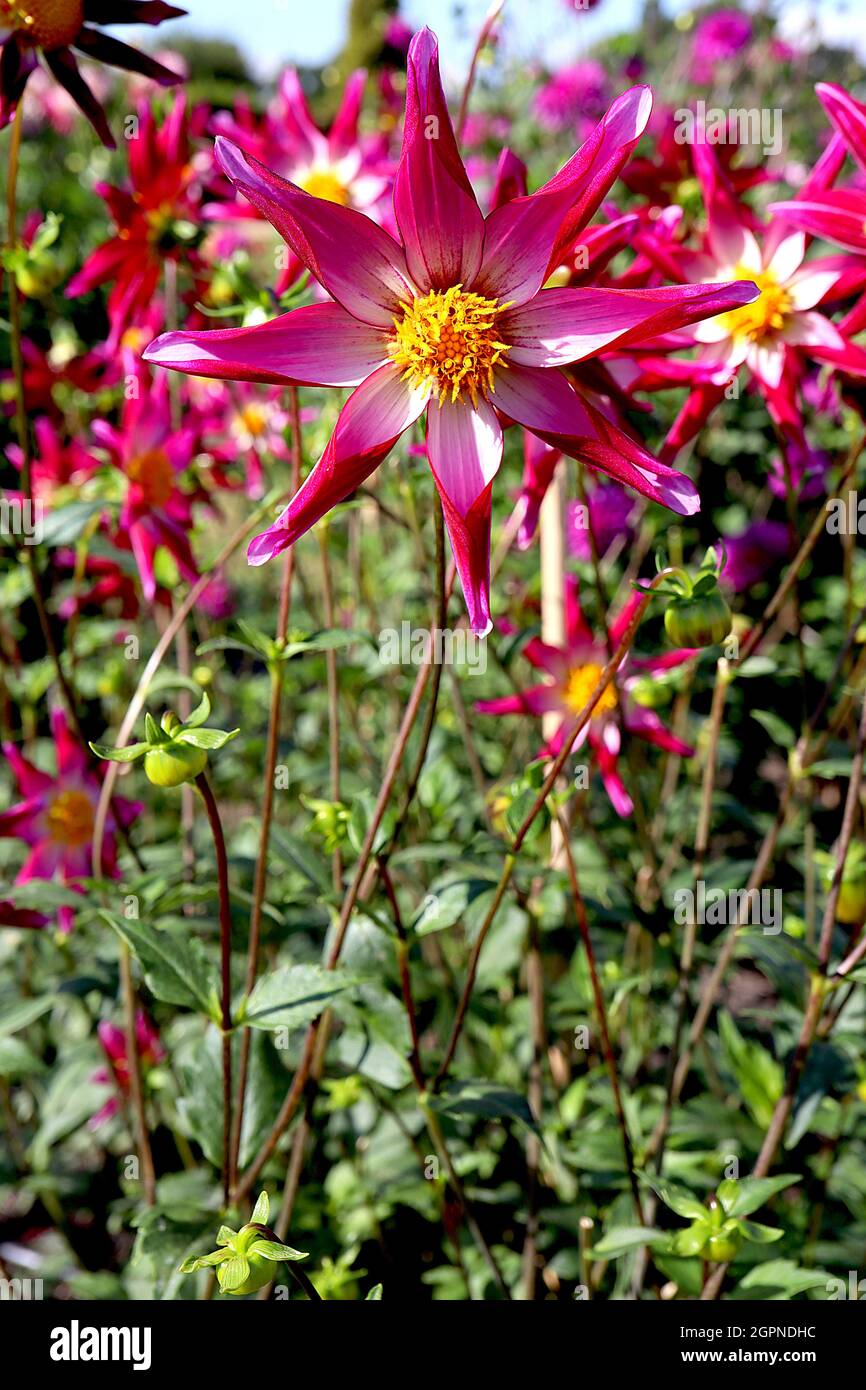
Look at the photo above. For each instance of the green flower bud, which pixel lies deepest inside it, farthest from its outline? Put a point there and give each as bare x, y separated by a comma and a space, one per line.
174, 764
851, 903
697, 614
700, 621
246, 1259
174, 752
722, 1246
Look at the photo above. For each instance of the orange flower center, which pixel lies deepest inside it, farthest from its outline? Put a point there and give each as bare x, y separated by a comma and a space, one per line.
153, 473
765, 315
70, 819
579, 685
449, 336
324, 183
47, 23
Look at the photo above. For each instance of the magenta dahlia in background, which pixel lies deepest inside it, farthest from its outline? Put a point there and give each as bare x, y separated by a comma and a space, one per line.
153, 214
112, 1040
53, 28
453, 321
151, 454
572, 673
838, 214
580, 90
754, 553
718, 39
57, 815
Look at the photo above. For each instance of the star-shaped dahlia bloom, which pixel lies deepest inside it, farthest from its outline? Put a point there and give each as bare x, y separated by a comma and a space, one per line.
53, 28
572, 673
452, 320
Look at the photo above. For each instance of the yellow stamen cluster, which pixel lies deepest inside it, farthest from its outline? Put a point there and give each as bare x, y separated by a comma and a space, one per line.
70, 819
154, 474
324, 183
764, 316
579, 685
450, 335
47, 23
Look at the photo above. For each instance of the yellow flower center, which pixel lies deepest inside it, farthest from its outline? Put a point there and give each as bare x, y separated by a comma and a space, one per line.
70, 819
579, 685
154, 474
47, 23
764, 316
252, 420
450, 336
324, 183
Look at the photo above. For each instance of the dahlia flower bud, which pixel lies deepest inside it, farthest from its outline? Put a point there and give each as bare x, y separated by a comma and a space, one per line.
245, 1260
697, 614
174, 752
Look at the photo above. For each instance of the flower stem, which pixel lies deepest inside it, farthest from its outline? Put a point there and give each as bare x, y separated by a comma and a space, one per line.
272, 748
213, 816
582, 719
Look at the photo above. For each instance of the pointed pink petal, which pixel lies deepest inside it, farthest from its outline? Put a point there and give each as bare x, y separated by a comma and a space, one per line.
848, 116
567, 325
537, 700
358, 263
464, 447
317, 345
839, 215
343, 134
544, 401
370, 423
523, 239
438, 217
646, 724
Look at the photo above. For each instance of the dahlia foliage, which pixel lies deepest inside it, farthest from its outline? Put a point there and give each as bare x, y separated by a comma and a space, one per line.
550, 373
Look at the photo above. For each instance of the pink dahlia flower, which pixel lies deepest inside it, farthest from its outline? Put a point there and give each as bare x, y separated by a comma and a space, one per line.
113, 1042
571, 674
57, 814
452, 321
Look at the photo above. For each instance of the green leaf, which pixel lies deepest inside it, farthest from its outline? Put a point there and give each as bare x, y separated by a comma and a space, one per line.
292, 996
679, 1199
120, 755
620, 1239
760, 1235
176, 967
485, 1098
23, 1012
272, 1250
758, 1075
206, 738
740, 1196
261, 1210
66, 524
784, 1275
375, 1294
778, 730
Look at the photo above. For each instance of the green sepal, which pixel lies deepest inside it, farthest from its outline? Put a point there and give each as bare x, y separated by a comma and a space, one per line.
225, 1235
261, 1210
119, 755
200, 713
272, 1250
194, 1262
210, 739
234, 1272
